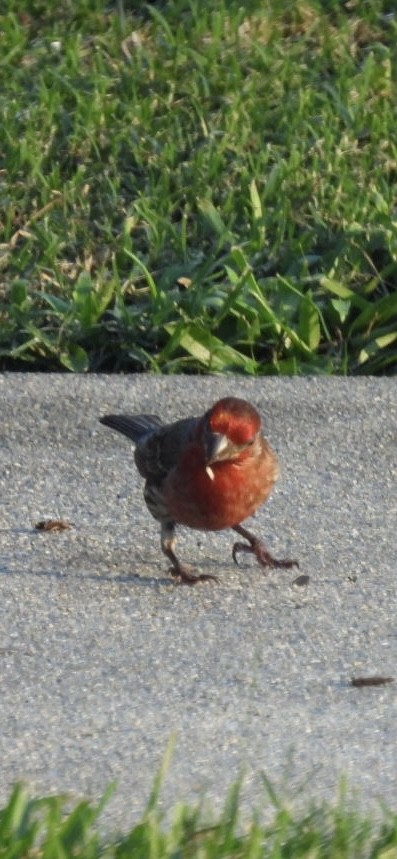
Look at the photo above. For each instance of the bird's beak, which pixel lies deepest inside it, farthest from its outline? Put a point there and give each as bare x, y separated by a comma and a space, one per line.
216, 446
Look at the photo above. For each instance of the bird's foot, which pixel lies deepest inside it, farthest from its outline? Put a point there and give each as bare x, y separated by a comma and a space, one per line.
258, 548
184, 576
262, 555
181, 572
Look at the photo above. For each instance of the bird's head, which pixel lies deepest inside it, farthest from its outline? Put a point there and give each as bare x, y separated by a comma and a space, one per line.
231, 428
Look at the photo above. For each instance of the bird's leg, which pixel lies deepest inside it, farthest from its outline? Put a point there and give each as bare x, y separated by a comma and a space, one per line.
178, 570
258, 548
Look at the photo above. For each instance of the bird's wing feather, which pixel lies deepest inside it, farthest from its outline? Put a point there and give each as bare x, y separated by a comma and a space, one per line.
133, 426
158, 445
158, 451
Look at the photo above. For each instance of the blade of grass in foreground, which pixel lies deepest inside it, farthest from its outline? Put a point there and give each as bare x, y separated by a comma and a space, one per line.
48, 829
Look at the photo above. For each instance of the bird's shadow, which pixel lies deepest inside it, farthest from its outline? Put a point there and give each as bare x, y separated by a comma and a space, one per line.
133, 579
118, 578
137, 579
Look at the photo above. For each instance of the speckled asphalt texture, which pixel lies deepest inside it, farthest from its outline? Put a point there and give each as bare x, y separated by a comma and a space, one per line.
103, 657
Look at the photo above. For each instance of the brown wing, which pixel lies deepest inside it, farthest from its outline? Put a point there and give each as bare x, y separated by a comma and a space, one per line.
159, 450
158, 445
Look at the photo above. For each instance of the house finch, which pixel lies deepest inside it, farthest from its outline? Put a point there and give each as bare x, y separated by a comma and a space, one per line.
210, 472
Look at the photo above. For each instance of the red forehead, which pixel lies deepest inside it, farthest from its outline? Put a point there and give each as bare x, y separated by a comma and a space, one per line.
235, 418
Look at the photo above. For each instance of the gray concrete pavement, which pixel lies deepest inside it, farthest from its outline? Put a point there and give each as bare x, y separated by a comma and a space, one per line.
102, 657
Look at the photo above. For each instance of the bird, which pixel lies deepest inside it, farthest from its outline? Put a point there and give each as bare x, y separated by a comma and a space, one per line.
209, 473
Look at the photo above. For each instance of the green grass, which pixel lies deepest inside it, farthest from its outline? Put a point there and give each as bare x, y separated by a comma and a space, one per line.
190, 186
48, 829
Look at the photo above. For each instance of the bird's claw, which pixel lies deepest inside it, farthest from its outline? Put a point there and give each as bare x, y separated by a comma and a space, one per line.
264, 558
185, 577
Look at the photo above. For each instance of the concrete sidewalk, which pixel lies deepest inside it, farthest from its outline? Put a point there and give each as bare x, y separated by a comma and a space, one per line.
103, 657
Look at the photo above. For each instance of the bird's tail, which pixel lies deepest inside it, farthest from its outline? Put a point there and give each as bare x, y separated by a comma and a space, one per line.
133, 426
